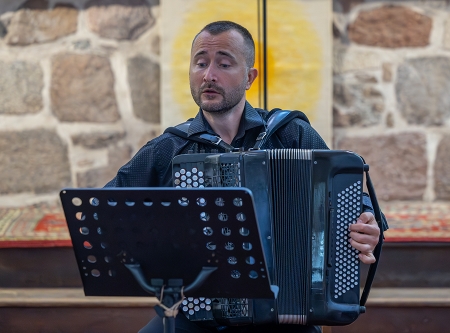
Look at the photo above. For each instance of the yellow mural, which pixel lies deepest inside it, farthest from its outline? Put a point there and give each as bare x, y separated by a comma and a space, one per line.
294, 59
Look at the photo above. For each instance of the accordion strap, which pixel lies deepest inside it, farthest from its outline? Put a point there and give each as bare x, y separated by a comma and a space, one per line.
382, 224
181, 130
276, 119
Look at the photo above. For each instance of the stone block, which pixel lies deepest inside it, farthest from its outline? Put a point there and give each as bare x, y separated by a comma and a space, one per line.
349, 58
119, 19
21, 86
442, 170
97, 140
391, 27
33, 161
356, 103
398, 163
144, 80
29, 26
98, 177
82, 89
422, 88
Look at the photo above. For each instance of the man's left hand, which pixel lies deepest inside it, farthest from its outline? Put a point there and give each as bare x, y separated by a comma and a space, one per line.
364, 235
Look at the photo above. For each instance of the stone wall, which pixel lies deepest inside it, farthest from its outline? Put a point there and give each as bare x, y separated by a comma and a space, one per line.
79, 92
391, 104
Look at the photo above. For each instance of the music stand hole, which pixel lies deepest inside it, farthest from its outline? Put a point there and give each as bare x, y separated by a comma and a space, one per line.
229, 246
108, 259
201, 202
77, 201
129, 203
111, 273
226, 231
95, 216
112, 202
223, 217
250, 260
238, 202
211, 246
94, 201
207, 231
235, 274
232, 260
104, 245
244, 231
148, 202
204, 216
220, 202
247, 246
95, 273
87, 245
241, 217
84, 231
92, 259
183, 202
165, 203
80, 216
253, 275
100, 231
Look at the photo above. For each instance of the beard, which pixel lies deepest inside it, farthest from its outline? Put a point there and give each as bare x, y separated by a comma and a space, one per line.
229, 99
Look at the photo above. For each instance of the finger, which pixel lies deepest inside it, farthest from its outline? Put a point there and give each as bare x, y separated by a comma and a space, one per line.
367, 258
362, 247
365, 218
363, 238
367, 229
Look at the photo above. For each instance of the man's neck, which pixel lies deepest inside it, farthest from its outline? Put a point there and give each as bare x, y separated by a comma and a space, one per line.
226, 125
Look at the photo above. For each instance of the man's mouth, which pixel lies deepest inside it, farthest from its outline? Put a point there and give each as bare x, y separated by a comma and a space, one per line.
210, 91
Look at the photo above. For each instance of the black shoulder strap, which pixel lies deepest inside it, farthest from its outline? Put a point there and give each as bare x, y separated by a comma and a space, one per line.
181, 130
276, 119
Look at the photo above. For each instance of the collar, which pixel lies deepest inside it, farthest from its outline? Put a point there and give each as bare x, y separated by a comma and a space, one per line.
251, 119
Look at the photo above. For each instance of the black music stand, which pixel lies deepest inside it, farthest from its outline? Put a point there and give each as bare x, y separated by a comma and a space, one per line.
167, 242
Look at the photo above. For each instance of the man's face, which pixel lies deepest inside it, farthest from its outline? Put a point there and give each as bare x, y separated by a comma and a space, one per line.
218, 72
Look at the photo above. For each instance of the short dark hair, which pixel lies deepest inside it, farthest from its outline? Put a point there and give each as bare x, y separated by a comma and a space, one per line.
218, 27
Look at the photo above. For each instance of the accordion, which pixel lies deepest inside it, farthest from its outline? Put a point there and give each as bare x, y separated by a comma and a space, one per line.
305, 201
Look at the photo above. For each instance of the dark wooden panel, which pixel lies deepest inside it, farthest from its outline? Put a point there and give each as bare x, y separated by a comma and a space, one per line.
39, 268
413, 265
73, 320
399, 319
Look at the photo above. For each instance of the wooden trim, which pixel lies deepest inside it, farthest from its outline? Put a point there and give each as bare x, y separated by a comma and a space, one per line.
74, 297
67, 297
409, 297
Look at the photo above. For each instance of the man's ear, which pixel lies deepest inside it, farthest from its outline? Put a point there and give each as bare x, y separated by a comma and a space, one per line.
251, 76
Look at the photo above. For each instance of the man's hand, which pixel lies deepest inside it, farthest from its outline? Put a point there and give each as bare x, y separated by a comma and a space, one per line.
364, 235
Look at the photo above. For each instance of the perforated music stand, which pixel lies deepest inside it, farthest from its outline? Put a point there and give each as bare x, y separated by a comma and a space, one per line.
194, 242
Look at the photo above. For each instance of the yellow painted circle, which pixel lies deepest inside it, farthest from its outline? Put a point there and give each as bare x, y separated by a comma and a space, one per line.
294, 54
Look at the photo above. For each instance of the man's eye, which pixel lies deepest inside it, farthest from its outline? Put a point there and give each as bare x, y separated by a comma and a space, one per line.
201, 64
224, 65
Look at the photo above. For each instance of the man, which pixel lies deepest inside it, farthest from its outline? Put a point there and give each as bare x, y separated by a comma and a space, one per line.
221, 70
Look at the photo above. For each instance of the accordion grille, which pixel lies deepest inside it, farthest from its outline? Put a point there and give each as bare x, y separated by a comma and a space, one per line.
291, 192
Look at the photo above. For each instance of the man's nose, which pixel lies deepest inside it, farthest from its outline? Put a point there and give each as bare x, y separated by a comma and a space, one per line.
210, 74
